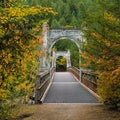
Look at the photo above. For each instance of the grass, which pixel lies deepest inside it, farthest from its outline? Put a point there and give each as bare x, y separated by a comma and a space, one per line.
16, 112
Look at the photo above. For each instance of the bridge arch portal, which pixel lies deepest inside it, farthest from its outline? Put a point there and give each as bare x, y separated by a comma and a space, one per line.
51, 36
64, 54
62, 38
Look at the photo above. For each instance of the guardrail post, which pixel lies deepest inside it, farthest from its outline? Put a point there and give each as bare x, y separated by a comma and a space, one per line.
80, 75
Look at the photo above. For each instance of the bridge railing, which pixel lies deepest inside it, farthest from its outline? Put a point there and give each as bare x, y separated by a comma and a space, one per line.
75, 71
52, 70
42, 82
88, 78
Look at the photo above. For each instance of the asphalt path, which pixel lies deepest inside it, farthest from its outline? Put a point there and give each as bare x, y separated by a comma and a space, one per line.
66, 89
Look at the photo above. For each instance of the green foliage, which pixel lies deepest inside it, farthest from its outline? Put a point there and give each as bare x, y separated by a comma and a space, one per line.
5, 112
69, 13
101, 51
61, 64
55, 24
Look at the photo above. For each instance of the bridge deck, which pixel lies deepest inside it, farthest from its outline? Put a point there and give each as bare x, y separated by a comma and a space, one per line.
66, 89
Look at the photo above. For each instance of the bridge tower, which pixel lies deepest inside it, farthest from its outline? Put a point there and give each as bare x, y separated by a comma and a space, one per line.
50, 37
44, 48
61, 53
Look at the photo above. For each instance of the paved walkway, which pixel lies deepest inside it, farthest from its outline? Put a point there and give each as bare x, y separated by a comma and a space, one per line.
66, 89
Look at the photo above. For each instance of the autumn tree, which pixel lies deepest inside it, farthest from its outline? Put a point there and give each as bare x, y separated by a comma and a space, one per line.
102, 49
19, 48
61, 63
